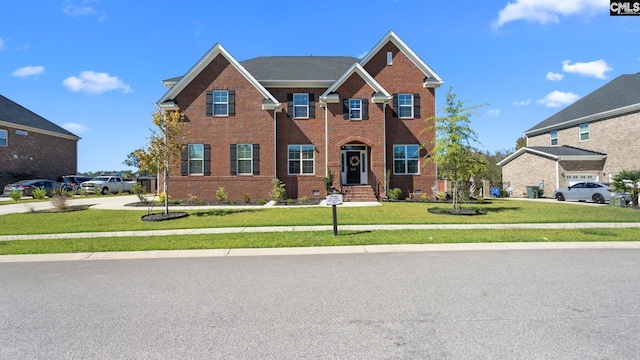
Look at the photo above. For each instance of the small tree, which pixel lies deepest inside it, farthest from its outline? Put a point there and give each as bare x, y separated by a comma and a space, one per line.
628, 181
166, 143
453, 152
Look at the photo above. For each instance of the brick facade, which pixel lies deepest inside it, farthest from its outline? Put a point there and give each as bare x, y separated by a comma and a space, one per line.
36, 155
328, 131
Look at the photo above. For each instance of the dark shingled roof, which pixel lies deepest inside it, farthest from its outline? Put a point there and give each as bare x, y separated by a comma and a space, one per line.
564, 151
13, 113
618, 93
298, 67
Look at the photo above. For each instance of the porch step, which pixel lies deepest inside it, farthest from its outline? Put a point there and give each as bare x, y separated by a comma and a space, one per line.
358, 193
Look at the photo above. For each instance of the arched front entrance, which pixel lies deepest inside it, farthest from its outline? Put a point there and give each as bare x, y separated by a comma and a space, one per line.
354, 167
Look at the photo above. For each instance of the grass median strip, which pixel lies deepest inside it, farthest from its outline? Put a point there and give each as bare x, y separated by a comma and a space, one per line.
306, 239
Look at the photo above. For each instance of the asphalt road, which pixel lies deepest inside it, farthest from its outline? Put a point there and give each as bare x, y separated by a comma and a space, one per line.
509, 304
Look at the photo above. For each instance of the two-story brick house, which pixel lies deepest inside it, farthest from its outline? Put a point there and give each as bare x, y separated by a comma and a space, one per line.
32, 146
295, 117
592, 139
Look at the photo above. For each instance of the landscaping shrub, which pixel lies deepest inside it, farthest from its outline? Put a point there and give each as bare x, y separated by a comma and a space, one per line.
395, 194
15, 194
246, 198
261, 201
221, 194
59, 199
140, 192
39, 193
278, 193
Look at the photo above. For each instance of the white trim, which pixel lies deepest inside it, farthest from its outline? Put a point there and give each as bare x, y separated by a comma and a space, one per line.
216, 50
432, 79
356, 68
39, 131
511, 157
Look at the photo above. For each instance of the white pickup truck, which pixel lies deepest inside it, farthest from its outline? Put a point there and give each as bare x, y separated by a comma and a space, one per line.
106, 185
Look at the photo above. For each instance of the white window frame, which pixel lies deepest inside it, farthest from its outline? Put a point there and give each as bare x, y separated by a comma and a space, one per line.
4, 135
401, 106
244, 159
355, 105
582, 132
303, 107
553, 135
195, 159
406, 159
217, 94
302, 160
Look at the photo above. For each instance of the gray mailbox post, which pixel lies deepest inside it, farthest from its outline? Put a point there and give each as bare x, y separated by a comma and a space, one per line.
333, 199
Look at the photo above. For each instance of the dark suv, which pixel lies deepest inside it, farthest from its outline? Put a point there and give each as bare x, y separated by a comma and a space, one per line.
72, 182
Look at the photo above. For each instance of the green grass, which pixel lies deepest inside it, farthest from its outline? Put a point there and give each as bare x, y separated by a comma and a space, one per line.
304, 239
500, 211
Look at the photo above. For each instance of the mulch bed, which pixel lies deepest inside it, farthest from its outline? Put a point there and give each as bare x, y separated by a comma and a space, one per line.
163, 216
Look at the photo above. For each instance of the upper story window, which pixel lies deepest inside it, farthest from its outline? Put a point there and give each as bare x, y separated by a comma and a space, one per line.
406, 159
221, 103
355, 109
301, 159
301, 106
553, 135
584, 132
196, 159
406, 106
3, 138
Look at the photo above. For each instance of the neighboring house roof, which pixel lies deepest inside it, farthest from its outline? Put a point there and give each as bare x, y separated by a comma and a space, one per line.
18, 116
557, 153
216, 50
619, 96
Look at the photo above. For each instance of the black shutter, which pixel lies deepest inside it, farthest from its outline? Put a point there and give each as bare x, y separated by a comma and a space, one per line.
256, 159
184, 162
312, 106
345, 109
207, 159
209, 102
233, 154
232, 103
290, 105
395, 105
416, 106
365, 109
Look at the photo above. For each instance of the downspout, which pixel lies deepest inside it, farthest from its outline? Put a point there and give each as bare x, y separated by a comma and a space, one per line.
384, 150
557, 173
275, 145
326, 140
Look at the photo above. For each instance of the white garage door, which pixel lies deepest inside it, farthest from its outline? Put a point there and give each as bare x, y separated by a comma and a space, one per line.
576, 178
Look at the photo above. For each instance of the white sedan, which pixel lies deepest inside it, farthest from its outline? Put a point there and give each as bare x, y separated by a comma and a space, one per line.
598, 192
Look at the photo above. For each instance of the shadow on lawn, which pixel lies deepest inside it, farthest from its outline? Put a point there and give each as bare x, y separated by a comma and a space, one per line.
218, 212
501, 209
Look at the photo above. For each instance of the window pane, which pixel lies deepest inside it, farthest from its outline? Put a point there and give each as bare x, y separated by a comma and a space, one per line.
219, 109
244, 167
398, 166
398, 152
219, 96
307, 167
301, 99
294, 152
412, 166
404, 111
294, 167
300, 112
195, 167
244, 151
307, 152
196, 151
413, 151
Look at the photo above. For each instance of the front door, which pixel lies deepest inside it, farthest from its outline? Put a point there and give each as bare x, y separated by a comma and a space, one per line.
354, 166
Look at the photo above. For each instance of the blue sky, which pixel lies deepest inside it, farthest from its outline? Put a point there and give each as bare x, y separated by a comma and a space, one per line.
95, 66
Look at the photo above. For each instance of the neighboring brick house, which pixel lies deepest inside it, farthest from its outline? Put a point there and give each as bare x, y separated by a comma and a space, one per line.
593, 139
292, 118
32, 146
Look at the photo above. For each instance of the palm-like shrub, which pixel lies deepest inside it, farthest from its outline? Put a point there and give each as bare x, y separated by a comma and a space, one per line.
628, 181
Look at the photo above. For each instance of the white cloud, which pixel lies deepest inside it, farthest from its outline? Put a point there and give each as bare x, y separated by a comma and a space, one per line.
23, 72
595, 69
494, 112
75, 128
2, 46
551, 76
546, 11
92, 82
73, 10
558, 98
522, 103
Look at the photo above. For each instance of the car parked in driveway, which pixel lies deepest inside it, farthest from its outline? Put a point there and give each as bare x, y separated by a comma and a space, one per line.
598, 192
28, 186
72, 182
